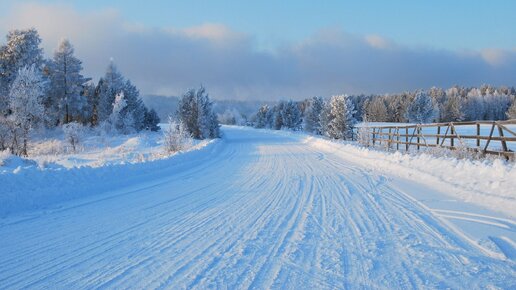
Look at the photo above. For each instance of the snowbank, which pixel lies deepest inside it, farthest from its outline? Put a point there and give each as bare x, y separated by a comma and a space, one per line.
26, 186
490, 184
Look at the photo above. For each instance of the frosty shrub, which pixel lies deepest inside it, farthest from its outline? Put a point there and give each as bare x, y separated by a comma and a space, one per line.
73, 132
176, 137
363, 135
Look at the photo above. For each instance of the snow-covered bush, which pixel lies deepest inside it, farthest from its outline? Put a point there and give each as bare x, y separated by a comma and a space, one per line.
4, 155
73, 132
363, 133
176, 137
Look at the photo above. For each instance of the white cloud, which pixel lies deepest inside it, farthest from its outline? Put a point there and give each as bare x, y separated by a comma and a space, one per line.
169, 60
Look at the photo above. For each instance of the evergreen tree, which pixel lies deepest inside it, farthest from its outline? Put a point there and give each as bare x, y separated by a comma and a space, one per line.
66, 84
452, 110
151, 120
313, 116
112, 84
422, 109
376, 110
511, 112
195, 111
261, 117
340, 118
291, 116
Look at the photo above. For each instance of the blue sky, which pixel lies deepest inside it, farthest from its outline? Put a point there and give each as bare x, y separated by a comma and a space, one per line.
271, 49
457, 24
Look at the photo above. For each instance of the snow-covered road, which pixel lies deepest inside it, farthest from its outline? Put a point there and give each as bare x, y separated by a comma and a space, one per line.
267, 211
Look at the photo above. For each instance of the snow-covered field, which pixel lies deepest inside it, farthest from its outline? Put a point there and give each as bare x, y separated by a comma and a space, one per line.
261, 209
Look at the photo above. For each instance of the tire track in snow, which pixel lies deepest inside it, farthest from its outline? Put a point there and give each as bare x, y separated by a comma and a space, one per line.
266, 212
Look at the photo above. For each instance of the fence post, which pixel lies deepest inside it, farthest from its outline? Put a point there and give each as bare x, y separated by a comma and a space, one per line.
373, 136
478, 135
452, 134
406, 139
397, 138
504, 143
418, 134
438, 133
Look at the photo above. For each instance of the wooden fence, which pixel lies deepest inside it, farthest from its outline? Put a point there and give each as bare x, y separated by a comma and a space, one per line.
486, 137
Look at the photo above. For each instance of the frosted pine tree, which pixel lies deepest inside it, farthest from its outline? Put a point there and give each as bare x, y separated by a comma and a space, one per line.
422, 109
151, 120
26, 106
261, 117
313, 116
341, 118
66, 84
112, 83
291, 116
452, 109
187, 112
116, 121
135, 107
195, 111
511, 112
277, 118
376, 110
206, 119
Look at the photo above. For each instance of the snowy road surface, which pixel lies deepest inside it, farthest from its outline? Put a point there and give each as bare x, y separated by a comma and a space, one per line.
267, 211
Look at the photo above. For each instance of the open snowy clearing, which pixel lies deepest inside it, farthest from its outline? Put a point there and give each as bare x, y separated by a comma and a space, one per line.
263, 209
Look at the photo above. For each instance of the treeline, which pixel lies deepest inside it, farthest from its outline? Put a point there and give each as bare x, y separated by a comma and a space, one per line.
335, 117
37, 92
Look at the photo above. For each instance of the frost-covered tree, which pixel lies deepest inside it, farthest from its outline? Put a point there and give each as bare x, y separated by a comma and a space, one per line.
21, 50
117, 121
511, 112
111, 84
261, 117
26, 106
277, 118
376, 110
340, 118
66, 84
313, 116
451, 110
422, 109
151, 120
473, 107
206, 119
496, 106
291, 116
135, 107
231, 116
195, 111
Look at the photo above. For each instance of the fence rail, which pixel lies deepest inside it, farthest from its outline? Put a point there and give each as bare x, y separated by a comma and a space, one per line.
486, 137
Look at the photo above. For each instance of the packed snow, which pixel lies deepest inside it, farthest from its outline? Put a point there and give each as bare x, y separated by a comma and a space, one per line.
261, 209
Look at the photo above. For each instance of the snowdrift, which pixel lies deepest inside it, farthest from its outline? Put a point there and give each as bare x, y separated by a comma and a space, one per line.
490, 184
27, 186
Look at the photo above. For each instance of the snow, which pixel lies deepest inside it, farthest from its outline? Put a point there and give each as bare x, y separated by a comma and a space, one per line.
261, 209
462, 130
